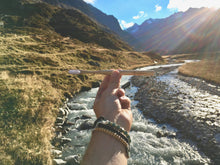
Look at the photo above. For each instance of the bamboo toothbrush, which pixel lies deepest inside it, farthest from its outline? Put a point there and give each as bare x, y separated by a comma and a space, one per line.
107, 72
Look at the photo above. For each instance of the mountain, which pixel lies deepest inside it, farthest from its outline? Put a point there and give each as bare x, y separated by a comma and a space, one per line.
136, 27
66, 22
192, 31
133, 28
108, 21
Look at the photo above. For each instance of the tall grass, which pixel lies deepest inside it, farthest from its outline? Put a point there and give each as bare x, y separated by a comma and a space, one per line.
208, 70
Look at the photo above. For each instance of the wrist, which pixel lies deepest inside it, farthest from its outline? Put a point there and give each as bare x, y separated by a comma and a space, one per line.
103, 148
114, 130
112, 143
118, 119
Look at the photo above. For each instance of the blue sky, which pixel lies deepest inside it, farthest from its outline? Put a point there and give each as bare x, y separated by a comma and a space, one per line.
129, 12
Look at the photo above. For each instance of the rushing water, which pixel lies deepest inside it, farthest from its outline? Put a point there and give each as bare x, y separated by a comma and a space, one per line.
146, 147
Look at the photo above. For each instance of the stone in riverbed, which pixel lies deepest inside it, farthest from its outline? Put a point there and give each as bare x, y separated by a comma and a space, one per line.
126, 85
86, 125
65, 140
159, 134
68, 123
59, 162
61, 112
217, 138
72, 160
76, 106
85, 117
59, 121
56, 153
95, 84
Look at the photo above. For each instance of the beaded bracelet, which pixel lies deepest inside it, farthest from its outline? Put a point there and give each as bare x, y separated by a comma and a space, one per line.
114, 130
111, 125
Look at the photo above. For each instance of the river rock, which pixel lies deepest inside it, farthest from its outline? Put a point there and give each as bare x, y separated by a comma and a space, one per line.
217, 138
76, 106
95, 84
56, 153
59, 162
85, 117
59, 121
59, 129
65, 140
86, 125
159, 134
68, 123
126, 85
61, 112
72, 160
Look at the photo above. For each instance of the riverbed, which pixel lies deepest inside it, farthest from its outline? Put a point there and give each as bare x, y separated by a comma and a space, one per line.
156, 139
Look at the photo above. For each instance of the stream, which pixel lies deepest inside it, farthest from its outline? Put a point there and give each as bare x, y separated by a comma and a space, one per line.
152, 143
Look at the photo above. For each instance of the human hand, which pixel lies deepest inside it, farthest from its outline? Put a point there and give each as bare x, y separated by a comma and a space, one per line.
111, 102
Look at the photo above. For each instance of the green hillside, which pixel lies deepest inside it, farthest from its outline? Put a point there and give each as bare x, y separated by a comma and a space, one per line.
35, 56
67, 22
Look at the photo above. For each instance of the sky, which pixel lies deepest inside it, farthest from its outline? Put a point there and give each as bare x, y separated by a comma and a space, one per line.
129, 12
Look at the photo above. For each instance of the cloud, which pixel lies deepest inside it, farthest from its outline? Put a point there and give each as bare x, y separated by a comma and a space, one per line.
140, 15
125, 25
158, 8
183, 5
90, 1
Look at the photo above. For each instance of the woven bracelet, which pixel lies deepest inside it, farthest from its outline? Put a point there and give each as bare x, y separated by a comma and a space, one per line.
114, 130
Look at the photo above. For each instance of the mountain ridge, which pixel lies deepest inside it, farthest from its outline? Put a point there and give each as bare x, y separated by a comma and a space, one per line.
41, 15
180, 32
108, 21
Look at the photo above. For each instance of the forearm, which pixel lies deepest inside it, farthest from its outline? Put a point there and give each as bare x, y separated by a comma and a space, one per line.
104, 149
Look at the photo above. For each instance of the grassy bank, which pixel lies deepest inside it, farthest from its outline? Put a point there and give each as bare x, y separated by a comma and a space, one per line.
208, 70
34, 82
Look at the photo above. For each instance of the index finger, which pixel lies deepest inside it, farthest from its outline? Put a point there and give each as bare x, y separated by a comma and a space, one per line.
115, 79
103, 85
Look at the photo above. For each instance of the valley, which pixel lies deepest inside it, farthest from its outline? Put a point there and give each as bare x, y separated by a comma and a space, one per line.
41, 40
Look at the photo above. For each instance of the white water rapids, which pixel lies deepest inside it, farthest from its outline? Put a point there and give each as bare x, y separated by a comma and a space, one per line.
146, 147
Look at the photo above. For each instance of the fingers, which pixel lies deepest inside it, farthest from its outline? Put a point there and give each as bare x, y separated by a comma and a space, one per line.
103, 85
110, 81
114, 80
125, 102
120, 92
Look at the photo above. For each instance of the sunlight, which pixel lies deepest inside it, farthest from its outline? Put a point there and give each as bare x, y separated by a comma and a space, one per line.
188, 29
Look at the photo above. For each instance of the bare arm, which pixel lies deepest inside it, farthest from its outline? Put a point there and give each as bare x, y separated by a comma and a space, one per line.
113, 105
